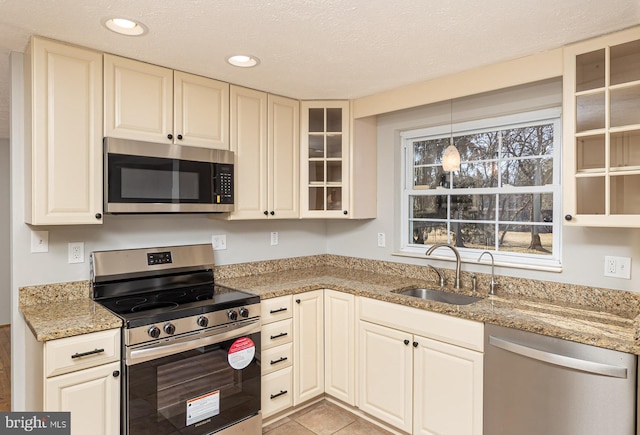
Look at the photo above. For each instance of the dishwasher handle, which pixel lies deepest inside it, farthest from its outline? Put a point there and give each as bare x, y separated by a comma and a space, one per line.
560, 360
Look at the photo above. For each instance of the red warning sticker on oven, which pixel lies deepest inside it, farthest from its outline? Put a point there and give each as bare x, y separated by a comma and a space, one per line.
241, 353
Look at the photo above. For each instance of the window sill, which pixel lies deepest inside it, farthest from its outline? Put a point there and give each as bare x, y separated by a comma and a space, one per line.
468, 260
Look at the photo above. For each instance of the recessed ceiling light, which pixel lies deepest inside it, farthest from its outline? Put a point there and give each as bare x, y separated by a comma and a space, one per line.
124, 26
243, 61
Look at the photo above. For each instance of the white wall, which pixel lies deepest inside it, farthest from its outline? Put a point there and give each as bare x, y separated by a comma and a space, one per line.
246, 241
583, 249
5, 263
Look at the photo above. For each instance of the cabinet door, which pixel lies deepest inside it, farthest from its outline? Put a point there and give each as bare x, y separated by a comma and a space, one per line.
308, 346
385, 364
92, 396
138, 99
64, 177
324, 162
284, 158
447, 389
249, 143
339, 347
201, 111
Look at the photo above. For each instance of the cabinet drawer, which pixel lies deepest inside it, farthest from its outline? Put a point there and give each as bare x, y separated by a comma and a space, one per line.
277, 358
275, 334
275, 309
277, 394
441, 327
81, 351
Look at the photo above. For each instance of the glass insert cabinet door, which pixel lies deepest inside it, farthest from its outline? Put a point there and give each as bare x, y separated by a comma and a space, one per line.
324, 158
602, 131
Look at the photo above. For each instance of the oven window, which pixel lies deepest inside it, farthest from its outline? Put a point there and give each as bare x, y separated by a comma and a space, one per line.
135, 179
193, 392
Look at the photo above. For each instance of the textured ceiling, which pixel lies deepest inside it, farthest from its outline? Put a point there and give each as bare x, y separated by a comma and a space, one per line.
315, 49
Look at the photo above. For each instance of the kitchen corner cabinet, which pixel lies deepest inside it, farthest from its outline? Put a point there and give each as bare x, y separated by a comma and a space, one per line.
308, 346
602, 131
338, 170
265, 140
420, 371
339, 346
155, 104
63, 134
80, 375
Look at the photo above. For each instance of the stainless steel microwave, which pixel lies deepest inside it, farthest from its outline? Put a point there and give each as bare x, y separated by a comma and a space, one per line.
145, 177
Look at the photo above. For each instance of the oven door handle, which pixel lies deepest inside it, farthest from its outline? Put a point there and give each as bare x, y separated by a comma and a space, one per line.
137, 356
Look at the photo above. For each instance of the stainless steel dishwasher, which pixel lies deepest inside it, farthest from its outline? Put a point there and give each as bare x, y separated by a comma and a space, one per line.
534, 385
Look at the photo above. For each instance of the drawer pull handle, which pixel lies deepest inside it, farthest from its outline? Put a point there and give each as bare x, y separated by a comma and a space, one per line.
281, 393
278, 310
282, 334
284, 358
91, 352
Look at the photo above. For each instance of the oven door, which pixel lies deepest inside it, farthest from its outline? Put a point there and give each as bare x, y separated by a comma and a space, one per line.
193, 385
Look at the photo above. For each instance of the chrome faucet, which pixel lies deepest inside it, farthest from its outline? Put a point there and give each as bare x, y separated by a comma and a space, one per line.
440, 277
493, 284
455, 251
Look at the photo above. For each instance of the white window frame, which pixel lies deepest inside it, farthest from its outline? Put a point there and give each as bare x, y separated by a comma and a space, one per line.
509, 259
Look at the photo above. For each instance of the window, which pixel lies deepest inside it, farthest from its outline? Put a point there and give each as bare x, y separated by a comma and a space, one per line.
505, 198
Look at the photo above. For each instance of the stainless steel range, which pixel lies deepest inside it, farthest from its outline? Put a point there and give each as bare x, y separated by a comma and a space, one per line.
190, 348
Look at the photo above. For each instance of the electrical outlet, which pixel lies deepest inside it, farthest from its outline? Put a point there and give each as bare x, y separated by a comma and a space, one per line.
617, 267
381, 240
76, 252
219, 242
274, 238
39, 241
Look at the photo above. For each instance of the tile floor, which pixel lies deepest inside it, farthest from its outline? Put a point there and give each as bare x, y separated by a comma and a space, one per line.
323, 418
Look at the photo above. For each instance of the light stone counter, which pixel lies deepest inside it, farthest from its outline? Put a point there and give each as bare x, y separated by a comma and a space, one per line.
601, 317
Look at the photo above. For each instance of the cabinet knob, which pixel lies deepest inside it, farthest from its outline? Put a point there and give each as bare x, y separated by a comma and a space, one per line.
116, 373
297, 301
266, 213
415, 344
169, 136
345, 212
98, 215
179, 137
272, 212
406, 342
568, 217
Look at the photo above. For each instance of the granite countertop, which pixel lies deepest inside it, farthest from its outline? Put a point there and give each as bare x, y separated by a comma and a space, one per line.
600, 317
612, 328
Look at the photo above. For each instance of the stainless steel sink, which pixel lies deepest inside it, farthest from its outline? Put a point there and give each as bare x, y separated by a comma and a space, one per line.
440, 296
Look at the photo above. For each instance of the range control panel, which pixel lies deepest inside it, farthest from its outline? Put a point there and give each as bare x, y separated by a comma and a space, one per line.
159, 258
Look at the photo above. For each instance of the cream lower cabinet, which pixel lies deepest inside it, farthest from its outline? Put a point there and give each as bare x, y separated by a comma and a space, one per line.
420, 371
308, 346
80, 375
339, 346
63, 134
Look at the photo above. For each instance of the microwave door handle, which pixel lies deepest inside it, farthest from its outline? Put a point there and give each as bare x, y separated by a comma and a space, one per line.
138, 356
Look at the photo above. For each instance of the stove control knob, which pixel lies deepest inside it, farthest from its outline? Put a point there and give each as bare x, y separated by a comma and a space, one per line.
154, 331
202, 321
244, 312
232, 314
169, 328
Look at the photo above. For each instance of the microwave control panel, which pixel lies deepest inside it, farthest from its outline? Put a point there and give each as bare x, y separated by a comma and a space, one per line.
223, 183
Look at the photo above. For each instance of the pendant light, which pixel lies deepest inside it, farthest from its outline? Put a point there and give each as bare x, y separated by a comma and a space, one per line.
451, 156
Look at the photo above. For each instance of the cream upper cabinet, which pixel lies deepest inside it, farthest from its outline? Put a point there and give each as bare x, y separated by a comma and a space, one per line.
308, 346
601, 160
338, 161
264, 138
155, 104
339, 346
63, 134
